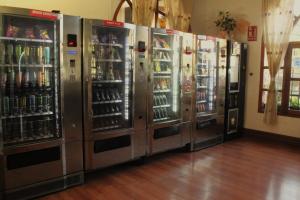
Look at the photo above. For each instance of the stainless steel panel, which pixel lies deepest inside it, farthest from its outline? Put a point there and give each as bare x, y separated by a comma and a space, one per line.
33, 174
106, 158
141, 70
74, 156
71, 76
186, 133
139, 142
187, 66
164, 144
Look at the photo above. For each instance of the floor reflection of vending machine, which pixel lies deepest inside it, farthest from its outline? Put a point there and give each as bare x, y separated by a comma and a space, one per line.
109, 112
235, 88
164, 111
209, 95
40, 68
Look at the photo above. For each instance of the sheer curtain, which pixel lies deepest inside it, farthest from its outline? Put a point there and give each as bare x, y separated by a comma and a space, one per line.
143, 12
278, 19
179, 13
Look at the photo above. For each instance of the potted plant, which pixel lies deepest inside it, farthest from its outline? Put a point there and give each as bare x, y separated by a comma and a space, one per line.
226, 23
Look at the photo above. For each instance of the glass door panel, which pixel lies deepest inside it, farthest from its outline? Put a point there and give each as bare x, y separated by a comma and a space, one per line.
206, 74
29, 84
111, 73
234, 70
166, 90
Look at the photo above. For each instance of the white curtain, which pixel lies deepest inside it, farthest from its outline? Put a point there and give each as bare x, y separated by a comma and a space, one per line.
143, 12
278, 23
178, 13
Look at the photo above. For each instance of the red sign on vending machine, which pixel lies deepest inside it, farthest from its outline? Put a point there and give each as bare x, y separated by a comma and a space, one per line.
252, 33
43, 14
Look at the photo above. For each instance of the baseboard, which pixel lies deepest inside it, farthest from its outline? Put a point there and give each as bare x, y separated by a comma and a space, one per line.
271, 136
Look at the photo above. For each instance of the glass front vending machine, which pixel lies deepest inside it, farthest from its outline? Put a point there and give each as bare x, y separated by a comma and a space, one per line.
115, 130
40, 136
164, 111
209, 96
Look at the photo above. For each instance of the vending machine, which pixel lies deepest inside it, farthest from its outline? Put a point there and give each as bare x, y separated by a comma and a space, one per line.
235, 88
165, 130
40, 135
114, 123
209, 94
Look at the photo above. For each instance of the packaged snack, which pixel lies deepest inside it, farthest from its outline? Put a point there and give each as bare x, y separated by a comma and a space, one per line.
29, 33
12, 31
44, 34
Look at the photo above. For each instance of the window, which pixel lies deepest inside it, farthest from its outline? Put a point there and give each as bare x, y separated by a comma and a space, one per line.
288, 77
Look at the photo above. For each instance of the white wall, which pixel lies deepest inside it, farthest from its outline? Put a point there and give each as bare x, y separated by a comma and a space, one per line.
204, 13
101, 9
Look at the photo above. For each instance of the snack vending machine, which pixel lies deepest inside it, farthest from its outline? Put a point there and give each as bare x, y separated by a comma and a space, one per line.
165, 130
109, 50
235, 88
40, 136
209, 93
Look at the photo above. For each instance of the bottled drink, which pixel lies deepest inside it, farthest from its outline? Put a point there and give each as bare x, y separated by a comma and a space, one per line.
25, 78
45, 100
18, 104
32, 103
110, 74
2, 53
100, 72
39, 103
18, 79
27, 55
40, 79
103, 98
40, 55
155, 100
33, 55
10, 54
6, 106
47, 78
18, 53
23, 103
3, 80
47, 55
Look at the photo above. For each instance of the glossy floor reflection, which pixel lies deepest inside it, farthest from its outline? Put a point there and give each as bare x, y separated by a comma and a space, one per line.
244, 169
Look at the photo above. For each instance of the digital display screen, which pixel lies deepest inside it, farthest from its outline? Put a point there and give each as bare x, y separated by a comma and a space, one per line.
72, 40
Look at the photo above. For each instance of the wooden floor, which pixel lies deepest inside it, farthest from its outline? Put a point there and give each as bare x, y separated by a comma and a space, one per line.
243, 169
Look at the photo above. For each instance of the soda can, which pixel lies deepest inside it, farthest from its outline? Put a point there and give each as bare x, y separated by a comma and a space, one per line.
27, 54
32, 104
6, 107
2, 53
40, 55
39, 103
10, 54
18, 53
47, 55
32, 78
46, 103
32, 55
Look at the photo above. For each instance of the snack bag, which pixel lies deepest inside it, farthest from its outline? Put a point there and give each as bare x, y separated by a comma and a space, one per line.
12, 31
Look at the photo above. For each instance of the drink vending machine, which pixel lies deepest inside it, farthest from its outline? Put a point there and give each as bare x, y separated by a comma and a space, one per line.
40, 135
114, 109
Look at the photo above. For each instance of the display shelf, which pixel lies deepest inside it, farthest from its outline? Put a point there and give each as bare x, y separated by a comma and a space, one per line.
106, 128
26, 40
27, 65
162, 73
107, 115
109, 44
27, 115
162, 49
162, 106
107, 102
107, 81
203, 76
202, 101
161, 60
202, 87
110, 60
161, 119
163, 34
161, 91
163, 76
